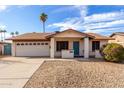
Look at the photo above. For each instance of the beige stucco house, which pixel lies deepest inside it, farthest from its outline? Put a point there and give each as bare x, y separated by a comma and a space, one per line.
66, 44
119, 38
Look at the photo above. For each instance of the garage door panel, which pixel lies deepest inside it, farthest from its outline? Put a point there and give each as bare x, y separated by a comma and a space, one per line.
33, 50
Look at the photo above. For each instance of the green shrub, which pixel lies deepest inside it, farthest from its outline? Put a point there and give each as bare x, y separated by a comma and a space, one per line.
113, 52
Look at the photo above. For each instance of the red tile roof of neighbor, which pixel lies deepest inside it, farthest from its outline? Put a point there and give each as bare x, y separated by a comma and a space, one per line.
46, 36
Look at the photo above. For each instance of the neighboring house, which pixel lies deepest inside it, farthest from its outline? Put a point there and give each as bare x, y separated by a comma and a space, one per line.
119, 38
59, 44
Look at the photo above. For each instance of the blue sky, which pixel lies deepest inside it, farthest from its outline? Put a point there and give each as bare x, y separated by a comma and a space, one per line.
99, 19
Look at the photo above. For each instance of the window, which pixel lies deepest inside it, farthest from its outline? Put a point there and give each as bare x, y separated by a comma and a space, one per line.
61, 45
22, 44
34, 43
26, 43
46, 43
95, 45
42, 43
17, 44
38, 43
30, 43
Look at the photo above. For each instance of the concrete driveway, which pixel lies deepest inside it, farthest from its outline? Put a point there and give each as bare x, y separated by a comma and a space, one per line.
16, 71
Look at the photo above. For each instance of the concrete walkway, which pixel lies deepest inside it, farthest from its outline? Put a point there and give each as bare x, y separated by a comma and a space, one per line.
16, 71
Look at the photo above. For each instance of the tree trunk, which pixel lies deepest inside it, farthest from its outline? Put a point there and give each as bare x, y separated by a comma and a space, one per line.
43, 27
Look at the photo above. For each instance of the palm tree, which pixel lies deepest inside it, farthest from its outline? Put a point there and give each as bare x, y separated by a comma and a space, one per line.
16, 33
2, 31
12, 33
43, 18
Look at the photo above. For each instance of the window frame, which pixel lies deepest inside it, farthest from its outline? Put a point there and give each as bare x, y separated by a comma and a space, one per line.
60, 45
95, 45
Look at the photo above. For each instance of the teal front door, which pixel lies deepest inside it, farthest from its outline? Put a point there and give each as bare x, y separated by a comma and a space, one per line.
7, 49
76, 48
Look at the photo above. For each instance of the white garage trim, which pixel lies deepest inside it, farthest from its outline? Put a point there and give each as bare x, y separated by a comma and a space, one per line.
33, 48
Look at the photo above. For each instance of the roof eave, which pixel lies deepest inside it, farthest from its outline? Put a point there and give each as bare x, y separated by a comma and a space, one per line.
28, 39
112, 34
104, 39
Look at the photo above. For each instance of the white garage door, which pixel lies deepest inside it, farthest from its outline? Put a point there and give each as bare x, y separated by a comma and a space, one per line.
32, 49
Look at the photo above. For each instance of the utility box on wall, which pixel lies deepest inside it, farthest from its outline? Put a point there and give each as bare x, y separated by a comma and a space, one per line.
67, 53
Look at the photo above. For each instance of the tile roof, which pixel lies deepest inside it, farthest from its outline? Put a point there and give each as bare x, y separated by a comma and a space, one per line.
72, 30
45, 36
31, 36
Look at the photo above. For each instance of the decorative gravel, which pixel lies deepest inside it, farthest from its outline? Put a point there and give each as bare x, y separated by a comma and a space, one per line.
72, 74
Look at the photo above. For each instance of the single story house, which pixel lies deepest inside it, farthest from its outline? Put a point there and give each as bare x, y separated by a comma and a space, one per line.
119, 38
66, 44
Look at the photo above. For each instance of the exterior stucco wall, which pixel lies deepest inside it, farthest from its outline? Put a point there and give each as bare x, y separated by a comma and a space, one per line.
52, 48
70, 40
118, 39
13, 51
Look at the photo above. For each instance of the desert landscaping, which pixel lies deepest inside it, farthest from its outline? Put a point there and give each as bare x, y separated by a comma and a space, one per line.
80, 73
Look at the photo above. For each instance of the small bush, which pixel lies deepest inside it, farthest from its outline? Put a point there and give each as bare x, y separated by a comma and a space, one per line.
113, 52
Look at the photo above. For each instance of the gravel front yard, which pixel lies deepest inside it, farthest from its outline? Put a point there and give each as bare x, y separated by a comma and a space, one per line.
64, 74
